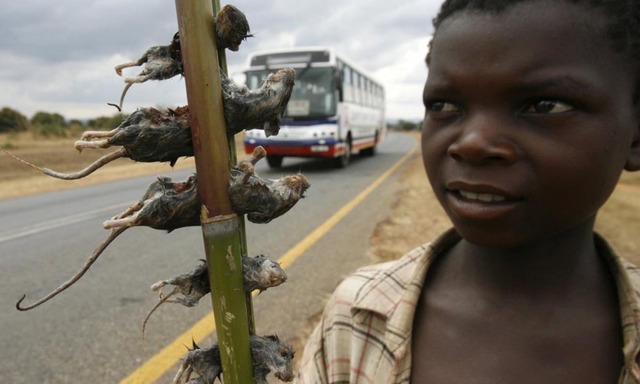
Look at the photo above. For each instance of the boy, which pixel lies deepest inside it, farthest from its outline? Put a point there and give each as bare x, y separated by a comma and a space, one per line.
532, 113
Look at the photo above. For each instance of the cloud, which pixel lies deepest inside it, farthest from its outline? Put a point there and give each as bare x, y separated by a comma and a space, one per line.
59, 56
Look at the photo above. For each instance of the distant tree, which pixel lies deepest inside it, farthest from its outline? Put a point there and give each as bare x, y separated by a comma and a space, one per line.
75, 127
48, 124
46, 118
12, 121
408, 125
405, 125
106, 122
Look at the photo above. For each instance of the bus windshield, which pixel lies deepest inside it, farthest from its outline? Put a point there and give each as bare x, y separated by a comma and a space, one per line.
313, 95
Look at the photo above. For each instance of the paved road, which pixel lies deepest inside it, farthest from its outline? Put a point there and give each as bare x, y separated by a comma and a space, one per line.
91, 332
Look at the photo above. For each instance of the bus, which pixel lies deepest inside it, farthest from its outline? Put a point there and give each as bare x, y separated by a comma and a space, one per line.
335, 109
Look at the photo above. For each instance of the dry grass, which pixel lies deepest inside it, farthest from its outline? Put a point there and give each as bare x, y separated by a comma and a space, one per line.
59, 154
416, 217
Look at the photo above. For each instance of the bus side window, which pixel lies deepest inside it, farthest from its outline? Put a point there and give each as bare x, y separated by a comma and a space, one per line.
356, 87
337, 80
363, 89
374, 95
374, 92
346, 84
367, 92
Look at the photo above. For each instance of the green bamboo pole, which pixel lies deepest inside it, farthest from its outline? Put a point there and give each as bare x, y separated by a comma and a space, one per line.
223, 238
231, 144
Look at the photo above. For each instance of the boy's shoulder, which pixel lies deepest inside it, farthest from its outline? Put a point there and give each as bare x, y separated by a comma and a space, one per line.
632, 270
631, 273
403, 268
381, 287
626, 273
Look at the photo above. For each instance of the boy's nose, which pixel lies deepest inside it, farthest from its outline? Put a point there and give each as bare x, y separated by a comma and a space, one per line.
484, 139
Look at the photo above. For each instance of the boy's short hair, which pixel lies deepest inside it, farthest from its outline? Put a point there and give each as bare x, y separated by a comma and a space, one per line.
623, 28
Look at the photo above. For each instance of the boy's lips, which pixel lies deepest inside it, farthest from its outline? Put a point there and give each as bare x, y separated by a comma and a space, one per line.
484, 197
473, 190
479, 201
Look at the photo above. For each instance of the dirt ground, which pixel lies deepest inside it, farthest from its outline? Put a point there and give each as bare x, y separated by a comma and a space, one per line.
18, 179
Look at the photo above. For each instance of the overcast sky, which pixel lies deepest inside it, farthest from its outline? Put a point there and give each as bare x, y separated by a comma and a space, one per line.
58, 56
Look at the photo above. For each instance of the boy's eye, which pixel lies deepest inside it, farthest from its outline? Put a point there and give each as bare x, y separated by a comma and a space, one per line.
548, 106
441, 107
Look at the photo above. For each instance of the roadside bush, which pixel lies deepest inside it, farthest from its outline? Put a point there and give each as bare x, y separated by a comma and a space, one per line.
12, 121
106, 122
48, 124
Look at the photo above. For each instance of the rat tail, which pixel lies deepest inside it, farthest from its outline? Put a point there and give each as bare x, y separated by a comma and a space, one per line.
94, 256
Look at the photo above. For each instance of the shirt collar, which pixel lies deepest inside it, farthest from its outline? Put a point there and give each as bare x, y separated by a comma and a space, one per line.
627, 278
394, 288
376, 295
388, 286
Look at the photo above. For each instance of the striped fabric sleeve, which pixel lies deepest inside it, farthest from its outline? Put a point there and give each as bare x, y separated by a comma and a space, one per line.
350, 345
326, 357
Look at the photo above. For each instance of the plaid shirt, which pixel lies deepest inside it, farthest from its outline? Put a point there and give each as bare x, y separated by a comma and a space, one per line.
365, 332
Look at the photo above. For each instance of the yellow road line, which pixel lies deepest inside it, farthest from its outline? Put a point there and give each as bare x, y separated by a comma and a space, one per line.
160, 363
325, 227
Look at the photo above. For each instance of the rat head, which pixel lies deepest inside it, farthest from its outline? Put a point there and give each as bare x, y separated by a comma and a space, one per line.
174, 48
271, 273
297, 183
260, 273
231, 27
279, 83
285, 77
280, 358
531, 115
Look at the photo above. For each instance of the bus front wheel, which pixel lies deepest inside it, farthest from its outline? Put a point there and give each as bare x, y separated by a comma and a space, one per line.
371, 151
274, 161
343, 160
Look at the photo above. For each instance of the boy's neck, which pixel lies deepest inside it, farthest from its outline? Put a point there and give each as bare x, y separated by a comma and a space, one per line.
559, 261
506, 313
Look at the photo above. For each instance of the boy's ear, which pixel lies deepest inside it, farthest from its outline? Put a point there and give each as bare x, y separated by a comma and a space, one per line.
633, 161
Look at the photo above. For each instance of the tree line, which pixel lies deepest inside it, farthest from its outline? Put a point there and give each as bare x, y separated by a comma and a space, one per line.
52, 124
404, 125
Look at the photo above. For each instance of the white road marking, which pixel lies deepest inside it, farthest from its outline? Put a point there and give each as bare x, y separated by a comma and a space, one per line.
56, 223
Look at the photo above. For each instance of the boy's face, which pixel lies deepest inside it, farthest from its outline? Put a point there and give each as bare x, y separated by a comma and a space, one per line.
529, 121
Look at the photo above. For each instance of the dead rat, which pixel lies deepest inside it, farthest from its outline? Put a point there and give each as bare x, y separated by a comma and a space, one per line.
160, 63
263, 199
261, 108
259, 273
165, 61
147, 135
168, 205
165, 205
269, 354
